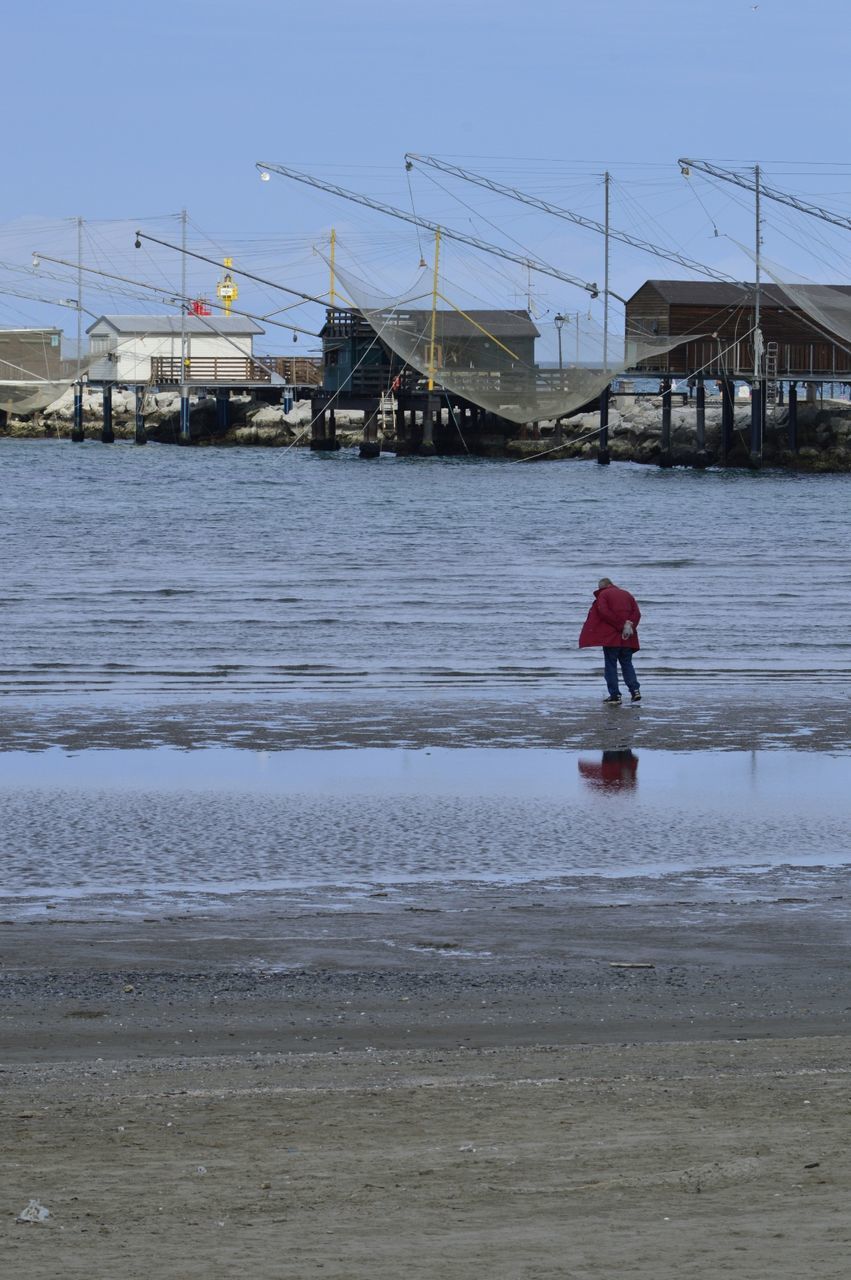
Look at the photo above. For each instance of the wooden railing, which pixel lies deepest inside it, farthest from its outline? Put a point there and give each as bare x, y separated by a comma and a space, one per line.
207, 369
304, 371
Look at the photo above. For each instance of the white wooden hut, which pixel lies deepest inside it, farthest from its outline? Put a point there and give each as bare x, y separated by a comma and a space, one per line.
149, 349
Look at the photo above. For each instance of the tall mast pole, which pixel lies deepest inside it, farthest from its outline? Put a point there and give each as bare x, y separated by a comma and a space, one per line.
185, 367
79, 297
757, 334
333, 265
431, 345
606, 282
184, 352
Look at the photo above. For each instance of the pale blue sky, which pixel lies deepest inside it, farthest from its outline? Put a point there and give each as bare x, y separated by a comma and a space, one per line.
127, 111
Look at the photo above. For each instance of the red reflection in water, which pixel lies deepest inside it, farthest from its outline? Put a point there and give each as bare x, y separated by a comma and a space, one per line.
616, 771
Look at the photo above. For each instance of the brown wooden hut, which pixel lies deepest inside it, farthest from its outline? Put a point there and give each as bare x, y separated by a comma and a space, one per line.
716, 322
30, 354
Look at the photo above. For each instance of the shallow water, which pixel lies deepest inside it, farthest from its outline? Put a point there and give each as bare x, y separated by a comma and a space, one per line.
144, 827
284, 599
165, 572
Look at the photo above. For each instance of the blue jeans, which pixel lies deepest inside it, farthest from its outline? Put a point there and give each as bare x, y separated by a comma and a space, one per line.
612, 655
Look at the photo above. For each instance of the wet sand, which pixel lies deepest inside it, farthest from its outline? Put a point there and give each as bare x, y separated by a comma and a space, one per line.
464, 966
750, 712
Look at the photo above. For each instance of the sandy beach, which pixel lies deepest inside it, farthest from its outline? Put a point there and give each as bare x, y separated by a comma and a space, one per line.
697, 1159
650, 1081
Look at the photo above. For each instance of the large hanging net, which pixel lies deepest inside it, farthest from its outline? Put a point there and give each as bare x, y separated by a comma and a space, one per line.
491, 357
27, 396
30, 393
828, 306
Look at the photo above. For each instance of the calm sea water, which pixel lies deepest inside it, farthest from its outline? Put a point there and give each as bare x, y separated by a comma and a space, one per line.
160, 570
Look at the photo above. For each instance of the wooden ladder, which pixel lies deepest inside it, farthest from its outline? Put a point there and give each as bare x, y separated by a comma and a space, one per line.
771, 376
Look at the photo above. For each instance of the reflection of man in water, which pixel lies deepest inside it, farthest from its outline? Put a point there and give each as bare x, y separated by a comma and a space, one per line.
617, 771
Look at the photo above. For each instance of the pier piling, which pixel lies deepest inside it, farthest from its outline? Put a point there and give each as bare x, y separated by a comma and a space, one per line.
77, 424
702, 459
222, 411
107, 433
792, 424
370, 446
140, 435
603, 457
431, 417
755, 453
185, 433
323, 434
727, 418
665, 458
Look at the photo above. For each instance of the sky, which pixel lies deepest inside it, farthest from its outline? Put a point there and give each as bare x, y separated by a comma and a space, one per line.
123, 115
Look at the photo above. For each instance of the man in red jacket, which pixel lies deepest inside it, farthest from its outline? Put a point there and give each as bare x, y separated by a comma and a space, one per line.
612, 623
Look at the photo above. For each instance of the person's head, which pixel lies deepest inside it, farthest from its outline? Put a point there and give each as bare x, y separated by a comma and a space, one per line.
604, 582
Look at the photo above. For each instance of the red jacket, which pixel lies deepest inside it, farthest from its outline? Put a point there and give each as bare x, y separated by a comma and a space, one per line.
612, 607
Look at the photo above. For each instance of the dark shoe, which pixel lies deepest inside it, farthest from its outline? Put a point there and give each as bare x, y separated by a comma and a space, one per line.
636, 695
614, 699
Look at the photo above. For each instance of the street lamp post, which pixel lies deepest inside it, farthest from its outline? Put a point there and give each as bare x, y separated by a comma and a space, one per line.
558, 321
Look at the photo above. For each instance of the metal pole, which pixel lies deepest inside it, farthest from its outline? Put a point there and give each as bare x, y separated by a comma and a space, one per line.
431, 345
606, 283
757, 334
333, 265
756, 390
79, 298
77, 434
184, 338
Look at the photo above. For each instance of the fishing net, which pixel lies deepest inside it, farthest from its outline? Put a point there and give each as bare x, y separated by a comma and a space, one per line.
27, 397
828, 306
491, 358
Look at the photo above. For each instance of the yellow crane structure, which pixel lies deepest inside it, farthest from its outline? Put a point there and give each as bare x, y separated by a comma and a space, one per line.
227, 290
